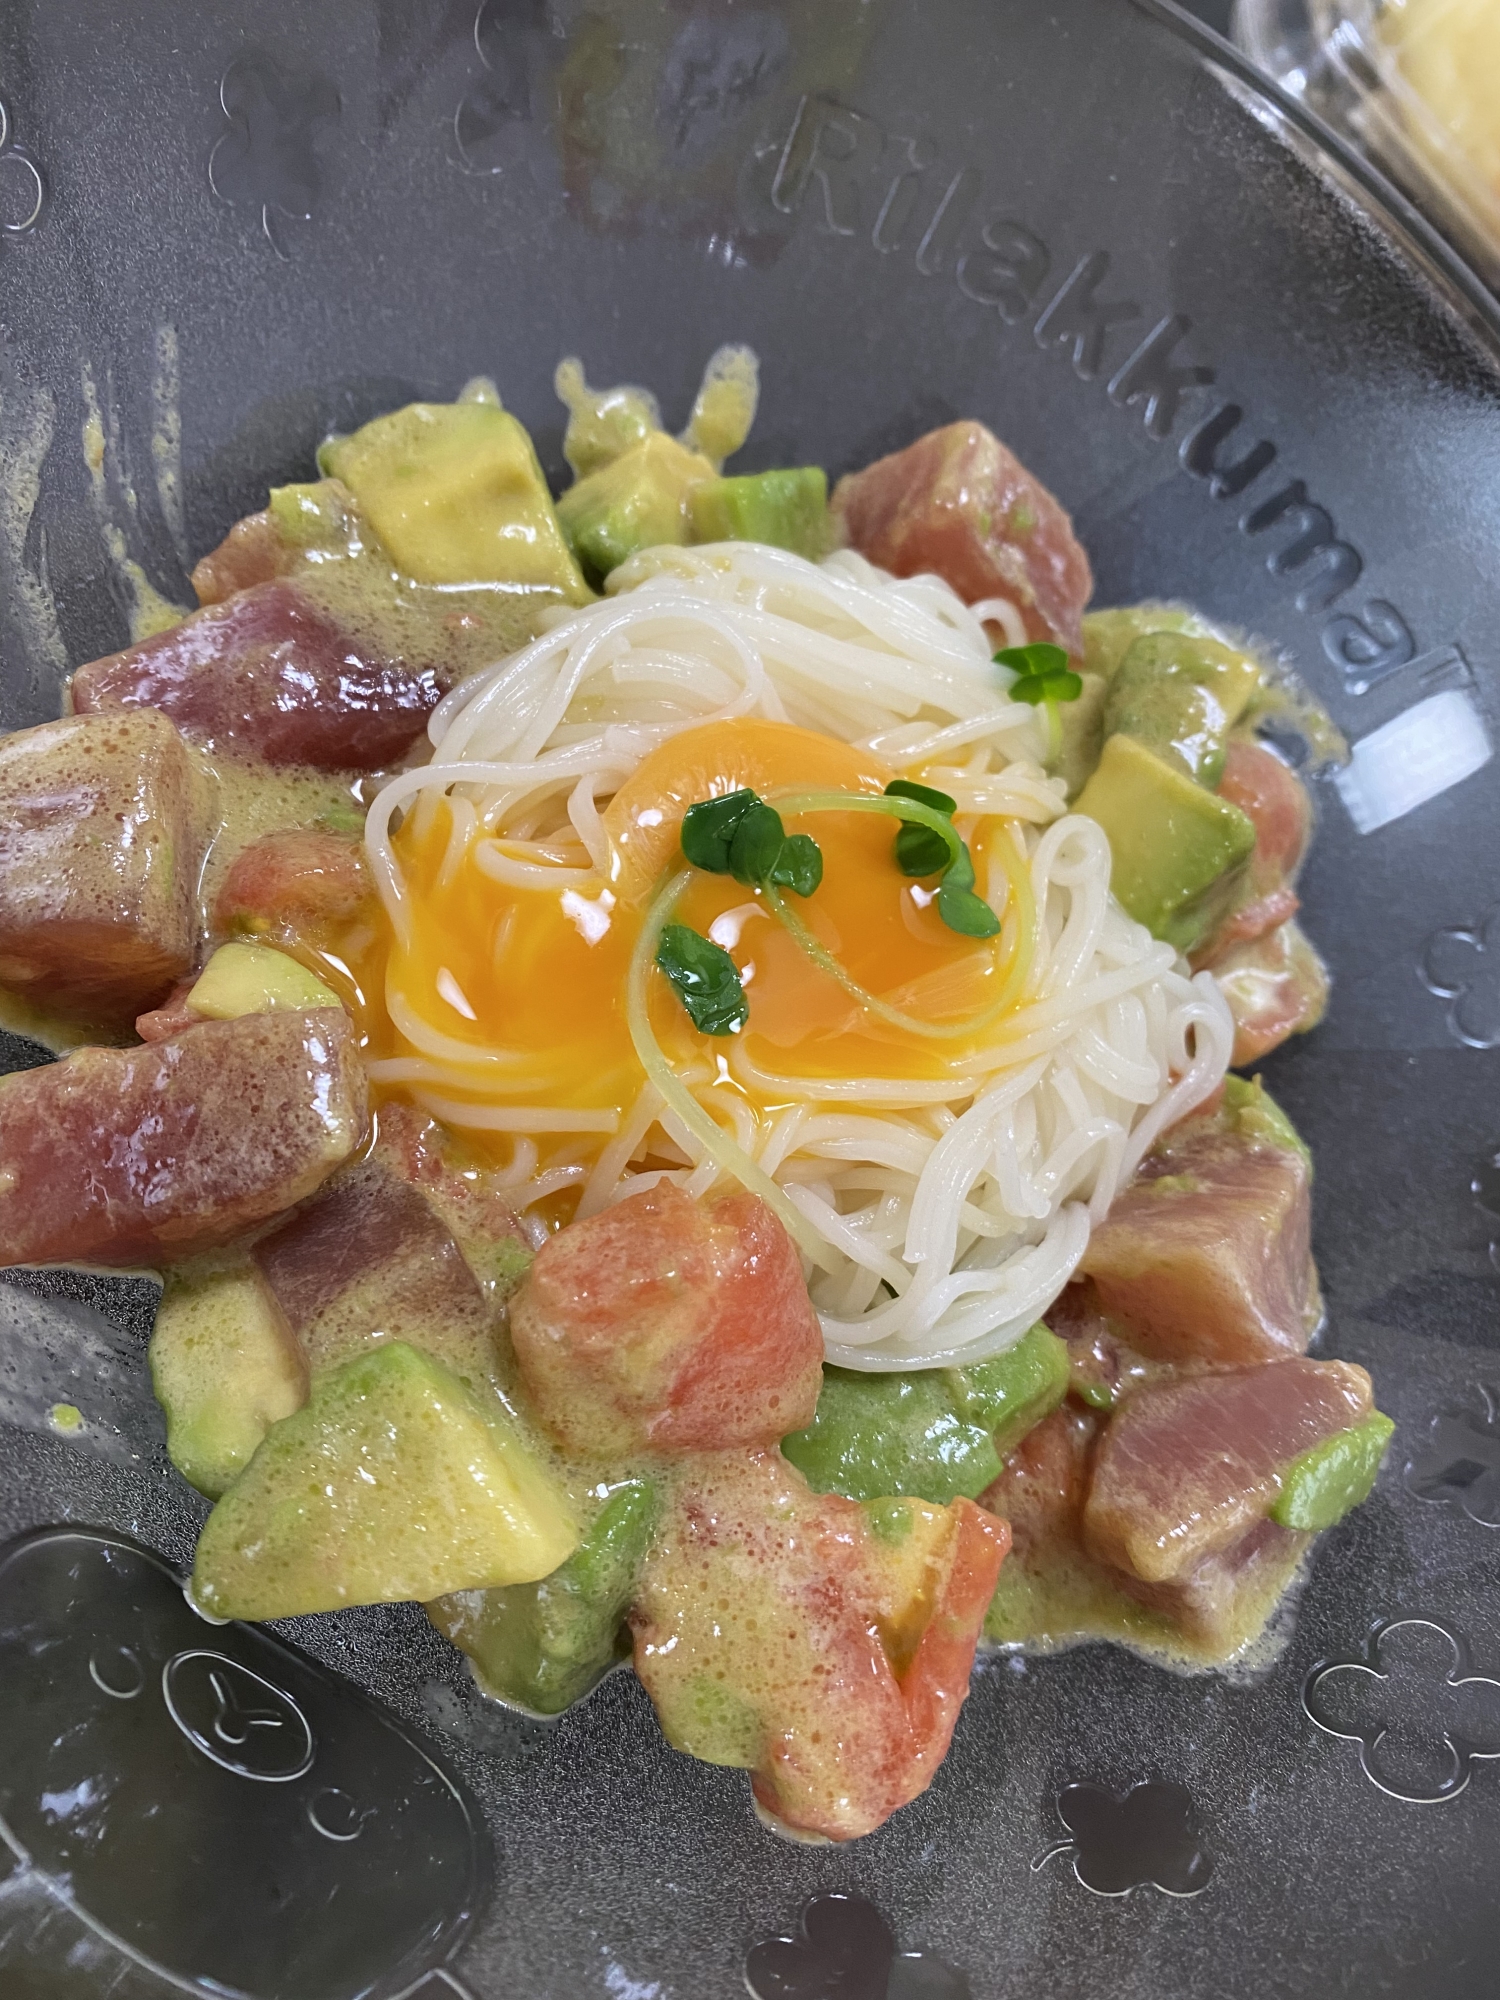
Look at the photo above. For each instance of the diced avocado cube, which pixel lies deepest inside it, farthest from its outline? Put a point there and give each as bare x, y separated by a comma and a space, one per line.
933, 1434
392, 1481
1180, 694
225, 1368
1322, 1486
542, 1646
1254, 1113
1174, 845
1080, 733
637, 501
875, 1436
1014, 1390
455, 494
256, 979
1108, 635
313, 514
788, 509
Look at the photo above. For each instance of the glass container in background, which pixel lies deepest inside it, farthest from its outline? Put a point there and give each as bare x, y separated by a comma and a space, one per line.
1415, 83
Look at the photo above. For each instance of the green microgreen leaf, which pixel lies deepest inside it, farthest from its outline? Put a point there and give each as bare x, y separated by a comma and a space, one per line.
740, 835
709, 828
920, 851
1042, 673
706, 980
962, 911
799, 866
758, 840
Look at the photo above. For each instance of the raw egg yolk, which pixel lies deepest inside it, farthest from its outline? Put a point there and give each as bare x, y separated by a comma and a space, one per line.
526, 987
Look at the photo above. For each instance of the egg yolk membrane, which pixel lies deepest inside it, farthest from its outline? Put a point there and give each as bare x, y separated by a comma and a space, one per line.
527, 986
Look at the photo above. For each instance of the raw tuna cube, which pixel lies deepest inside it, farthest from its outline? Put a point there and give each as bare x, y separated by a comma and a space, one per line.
1186, 1469
293, 882
146, 1155
367, 1261
671, 1324
1276, 986
1205, 1255
269, 675
103, 823
779, 1630
469, 1198
1226, 1599
958, 504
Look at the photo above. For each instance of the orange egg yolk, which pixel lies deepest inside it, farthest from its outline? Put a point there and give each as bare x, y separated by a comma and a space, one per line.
530, 984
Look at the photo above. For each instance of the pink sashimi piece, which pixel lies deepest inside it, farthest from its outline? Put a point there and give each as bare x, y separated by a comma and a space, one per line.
959, 505
1185, 1469
269, 675
144, 1155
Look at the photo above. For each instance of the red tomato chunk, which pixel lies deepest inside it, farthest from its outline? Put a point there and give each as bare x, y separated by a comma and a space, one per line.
139, 1156
675, 1325
777, 1630
293, 883
959, 505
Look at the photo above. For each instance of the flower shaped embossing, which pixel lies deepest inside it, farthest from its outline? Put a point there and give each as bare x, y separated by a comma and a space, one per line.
1459, 1466
268, 158
23, 189
845, 1950
1146, 1838
1462, 966
1420, 1717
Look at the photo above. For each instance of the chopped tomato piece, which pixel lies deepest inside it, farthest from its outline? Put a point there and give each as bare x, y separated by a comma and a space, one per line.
957, 503
1276, 986
1186, 1469
102, 829
268, 674
1206, 1254
143, 1155
1276, 801
254, 551
676, 1325
293, 882
172, 1016
802, 1636
1044, 1482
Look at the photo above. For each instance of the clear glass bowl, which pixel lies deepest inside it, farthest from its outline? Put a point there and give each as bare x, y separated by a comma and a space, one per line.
1415, 83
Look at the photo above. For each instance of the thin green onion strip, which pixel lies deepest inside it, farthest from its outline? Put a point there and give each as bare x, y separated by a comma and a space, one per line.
720, 1148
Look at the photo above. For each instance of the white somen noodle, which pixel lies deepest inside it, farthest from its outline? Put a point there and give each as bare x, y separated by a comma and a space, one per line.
940, 1217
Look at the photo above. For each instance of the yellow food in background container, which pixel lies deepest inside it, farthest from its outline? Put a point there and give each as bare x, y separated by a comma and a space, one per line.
1415, 82
1447, 55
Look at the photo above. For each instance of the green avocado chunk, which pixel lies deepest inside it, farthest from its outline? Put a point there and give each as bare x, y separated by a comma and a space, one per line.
637, 501
392, 1481
934, 1434
1175, 846
788, 509
542, 1646
455, 494
1321, 1486
224, 1368
1256, 1115
1109, 635
1180, 695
